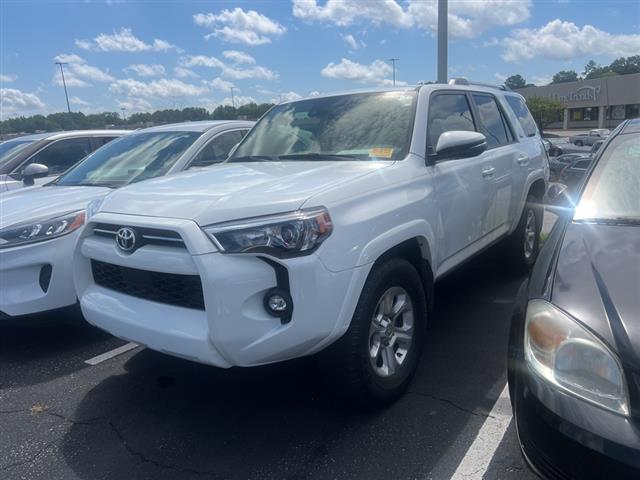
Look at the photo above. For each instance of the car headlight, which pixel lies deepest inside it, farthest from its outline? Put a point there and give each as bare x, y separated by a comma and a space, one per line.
285, 235
40, 230
565, 354
94, 207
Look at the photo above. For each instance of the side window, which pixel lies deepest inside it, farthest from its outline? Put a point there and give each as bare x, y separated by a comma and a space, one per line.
100, 141
218, 148
582, 164
63, 154
447, 112
491, 121
522, 113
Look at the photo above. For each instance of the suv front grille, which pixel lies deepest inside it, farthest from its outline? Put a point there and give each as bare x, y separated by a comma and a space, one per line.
148, 236
170, 288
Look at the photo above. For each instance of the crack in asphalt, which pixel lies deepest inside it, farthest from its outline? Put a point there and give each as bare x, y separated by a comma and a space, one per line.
451, 403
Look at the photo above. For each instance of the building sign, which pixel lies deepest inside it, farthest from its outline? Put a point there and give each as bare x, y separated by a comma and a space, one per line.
583, 94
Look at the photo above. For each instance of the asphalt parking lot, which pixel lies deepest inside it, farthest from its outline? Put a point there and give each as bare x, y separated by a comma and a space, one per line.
145, 415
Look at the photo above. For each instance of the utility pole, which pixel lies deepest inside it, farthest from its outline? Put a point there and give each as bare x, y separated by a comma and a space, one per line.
443, 18
393, 62
64, 84
124, 116
233, 100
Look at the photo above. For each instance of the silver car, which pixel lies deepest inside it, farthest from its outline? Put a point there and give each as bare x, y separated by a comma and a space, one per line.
590, 138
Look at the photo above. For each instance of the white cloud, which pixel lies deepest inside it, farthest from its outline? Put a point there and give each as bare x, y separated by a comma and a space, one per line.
542, 80
375, 72
286, 97
133, 105
466, 18
182, 72
158, 88
235, 72
78, 71
238, 57
145, 69
122, 41
220, 84
560, 40
238, 100
14, 102
314, 93
8, 78
78, 101
239, 26
353, 43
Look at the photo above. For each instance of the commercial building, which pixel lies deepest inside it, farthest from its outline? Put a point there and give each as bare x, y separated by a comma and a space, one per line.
597, 103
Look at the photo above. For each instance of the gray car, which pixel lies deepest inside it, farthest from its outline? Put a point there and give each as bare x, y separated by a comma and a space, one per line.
39, 158
589, 138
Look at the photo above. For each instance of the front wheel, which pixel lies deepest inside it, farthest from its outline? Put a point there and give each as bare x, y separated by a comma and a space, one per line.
377, 357
579, 143
523, 244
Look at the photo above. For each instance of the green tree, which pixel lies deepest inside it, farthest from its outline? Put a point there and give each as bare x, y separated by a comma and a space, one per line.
565, 76
545, 110
515, 81
626, 65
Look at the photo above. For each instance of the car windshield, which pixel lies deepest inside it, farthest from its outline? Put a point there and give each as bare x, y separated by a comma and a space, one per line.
130, 159
367, 126
612, 193
11, 148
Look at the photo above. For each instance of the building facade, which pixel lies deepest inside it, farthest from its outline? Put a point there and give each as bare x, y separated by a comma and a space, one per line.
597, 103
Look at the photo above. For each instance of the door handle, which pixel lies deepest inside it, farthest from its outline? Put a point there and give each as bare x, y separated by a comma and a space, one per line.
488, 172
523, 160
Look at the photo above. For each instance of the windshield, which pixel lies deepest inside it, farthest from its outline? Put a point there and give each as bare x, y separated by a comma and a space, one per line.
11, 148
130, 158
613, 190
347, 127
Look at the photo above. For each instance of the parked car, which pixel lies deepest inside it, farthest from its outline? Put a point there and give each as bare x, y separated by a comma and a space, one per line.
589, 138
573, 174
39, 227
553, 149
557, 164
41, 157
595, 147
323, 232
574, 347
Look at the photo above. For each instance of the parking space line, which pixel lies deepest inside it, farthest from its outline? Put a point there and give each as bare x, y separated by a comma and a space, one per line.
112, 353
479, 455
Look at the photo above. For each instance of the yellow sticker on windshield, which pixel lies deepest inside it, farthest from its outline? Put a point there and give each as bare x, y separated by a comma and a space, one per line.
381, 152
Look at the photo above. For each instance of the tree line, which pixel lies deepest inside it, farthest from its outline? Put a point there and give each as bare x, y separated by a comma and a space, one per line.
79, 121
620, 66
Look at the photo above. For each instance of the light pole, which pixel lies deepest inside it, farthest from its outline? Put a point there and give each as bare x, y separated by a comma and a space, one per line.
442, 40
124, 116
233, 101
64, 84
393, 62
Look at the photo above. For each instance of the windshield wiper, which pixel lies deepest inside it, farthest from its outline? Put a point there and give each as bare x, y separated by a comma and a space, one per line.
318, 156
611, 220
252, 158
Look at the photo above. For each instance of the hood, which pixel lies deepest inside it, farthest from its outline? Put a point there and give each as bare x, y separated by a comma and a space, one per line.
45, 202
235, 190
597, 281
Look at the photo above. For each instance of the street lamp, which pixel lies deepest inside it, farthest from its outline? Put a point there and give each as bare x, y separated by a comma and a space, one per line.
442, 40
393, 62
64, 84
233, 101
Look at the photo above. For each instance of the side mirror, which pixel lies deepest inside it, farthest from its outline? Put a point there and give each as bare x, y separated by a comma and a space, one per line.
33, 171
558, 200
460, 144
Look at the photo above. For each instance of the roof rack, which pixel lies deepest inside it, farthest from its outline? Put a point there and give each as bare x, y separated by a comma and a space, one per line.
464, 81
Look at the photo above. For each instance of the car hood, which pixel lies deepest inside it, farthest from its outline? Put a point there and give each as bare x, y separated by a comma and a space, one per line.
235, 190
597, 281
45, 202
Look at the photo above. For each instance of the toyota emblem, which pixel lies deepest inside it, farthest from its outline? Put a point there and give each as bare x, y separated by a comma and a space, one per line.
126, 239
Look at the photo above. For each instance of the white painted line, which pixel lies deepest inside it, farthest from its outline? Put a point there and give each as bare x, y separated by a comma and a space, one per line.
475, 462
112, 353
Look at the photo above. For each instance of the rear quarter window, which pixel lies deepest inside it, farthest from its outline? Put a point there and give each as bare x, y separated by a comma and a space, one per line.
522, 114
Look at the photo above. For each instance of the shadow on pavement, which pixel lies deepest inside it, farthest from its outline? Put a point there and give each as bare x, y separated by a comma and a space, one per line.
169, 418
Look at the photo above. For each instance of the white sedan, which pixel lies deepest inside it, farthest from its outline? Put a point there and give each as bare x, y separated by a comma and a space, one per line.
39, 226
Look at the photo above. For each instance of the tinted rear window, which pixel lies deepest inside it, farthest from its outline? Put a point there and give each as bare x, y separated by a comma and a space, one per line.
522, 113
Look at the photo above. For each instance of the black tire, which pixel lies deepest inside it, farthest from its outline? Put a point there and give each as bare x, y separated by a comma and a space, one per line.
579, 143
347, 361
520, 257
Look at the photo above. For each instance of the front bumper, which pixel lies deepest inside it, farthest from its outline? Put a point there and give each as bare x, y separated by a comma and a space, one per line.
234, 328
37, 277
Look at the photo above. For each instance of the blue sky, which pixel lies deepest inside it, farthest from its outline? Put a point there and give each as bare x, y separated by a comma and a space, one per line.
144, 55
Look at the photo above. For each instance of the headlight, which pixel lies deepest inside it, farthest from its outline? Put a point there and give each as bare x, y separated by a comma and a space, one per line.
94, 207
286, 235
564, 353
37, 231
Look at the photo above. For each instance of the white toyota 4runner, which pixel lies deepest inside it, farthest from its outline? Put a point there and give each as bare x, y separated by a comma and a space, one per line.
324, 232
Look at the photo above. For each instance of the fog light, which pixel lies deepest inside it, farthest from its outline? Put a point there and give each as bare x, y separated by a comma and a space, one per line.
278, 302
